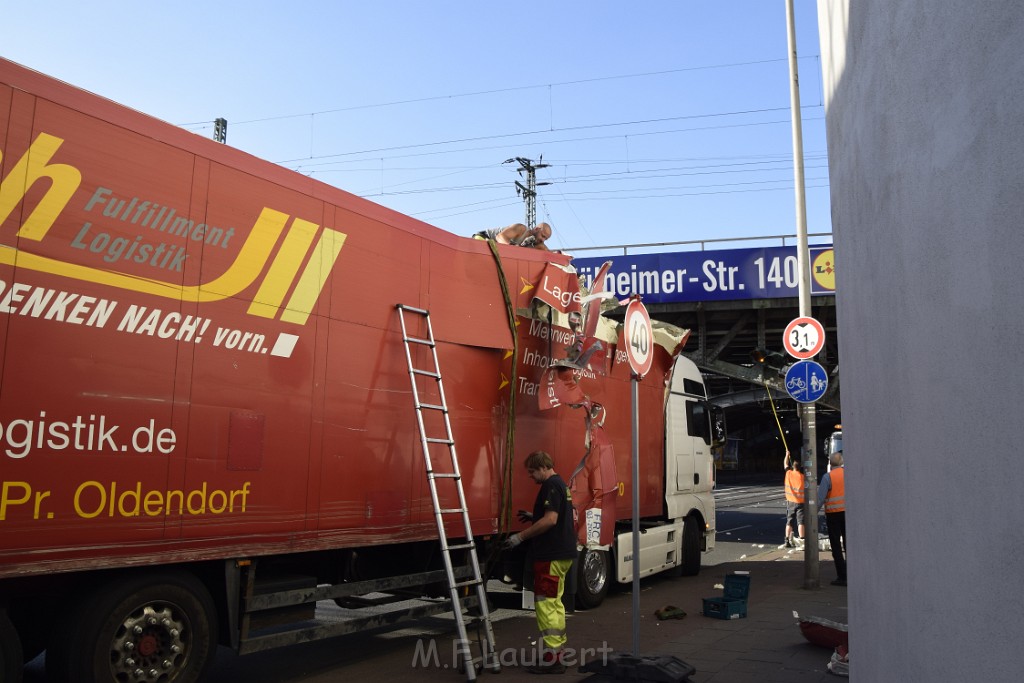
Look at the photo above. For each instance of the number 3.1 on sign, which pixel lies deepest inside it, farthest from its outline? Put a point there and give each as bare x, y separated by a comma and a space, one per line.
804, 338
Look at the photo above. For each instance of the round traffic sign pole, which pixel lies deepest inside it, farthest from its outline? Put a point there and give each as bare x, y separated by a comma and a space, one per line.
804, 338
639, 339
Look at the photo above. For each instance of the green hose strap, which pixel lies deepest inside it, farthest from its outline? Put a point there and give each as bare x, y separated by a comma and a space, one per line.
505, 505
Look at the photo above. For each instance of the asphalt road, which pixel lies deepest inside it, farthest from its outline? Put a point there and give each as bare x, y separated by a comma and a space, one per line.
750, 517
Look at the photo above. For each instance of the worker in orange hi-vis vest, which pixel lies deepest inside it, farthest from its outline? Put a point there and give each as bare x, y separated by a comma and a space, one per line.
831, 495
795, 485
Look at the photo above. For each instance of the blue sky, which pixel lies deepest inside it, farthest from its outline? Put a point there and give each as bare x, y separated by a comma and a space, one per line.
660, 121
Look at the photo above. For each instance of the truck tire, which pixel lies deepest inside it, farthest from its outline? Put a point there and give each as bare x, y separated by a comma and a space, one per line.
593, 578
32, 618
161, 625
10, 651
691, 547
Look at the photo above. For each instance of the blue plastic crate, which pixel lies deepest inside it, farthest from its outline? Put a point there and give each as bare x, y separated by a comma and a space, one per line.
733, 602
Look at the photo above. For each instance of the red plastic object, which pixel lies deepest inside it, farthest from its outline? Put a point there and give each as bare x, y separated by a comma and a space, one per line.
825, 633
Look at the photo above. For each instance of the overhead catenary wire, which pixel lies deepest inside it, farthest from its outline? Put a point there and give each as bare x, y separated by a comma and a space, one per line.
492, 91
549, 135
498, 136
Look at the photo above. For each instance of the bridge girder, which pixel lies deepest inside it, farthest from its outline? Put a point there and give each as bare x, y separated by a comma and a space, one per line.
727, 331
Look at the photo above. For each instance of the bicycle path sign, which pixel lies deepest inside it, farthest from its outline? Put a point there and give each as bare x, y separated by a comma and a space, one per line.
806, 381
804, 337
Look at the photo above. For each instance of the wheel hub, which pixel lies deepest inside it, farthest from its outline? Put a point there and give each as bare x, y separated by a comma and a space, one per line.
594, 572
149, 645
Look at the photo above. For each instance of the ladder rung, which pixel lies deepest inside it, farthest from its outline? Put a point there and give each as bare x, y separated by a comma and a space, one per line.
460, 546
416, 340
431, 439
411, 309
470, 582
443, 475
427, 373
431, 406
450, 511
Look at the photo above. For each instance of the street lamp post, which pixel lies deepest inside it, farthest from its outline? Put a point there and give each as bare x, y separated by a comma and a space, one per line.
809, 450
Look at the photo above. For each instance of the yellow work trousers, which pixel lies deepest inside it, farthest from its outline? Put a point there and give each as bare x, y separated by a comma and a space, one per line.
548, 586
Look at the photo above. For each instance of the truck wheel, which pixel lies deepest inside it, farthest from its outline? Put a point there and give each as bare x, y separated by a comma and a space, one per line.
593, 578
144, 628
10, 651
691, 547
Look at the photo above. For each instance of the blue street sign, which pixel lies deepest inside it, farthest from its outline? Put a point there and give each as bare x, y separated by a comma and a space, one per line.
806, 381
719, 275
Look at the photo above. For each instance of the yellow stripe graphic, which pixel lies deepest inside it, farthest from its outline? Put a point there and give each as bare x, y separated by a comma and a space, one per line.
246, 267
313, 278
282, 270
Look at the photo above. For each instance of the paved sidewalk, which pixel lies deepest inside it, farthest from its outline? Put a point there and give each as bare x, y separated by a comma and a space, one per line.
767, 645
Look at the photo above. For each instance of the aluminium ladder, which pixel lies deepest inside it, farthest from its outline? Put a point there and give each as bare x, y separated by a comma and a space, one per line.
432, 371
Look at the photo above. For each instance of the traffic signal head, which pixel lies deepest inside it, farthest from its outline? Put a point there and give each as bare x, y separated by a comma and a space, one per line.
766, 358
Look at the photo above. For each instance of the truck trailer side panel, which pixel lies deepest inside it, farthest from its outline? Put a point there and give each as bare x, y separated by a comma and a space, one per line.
204, 391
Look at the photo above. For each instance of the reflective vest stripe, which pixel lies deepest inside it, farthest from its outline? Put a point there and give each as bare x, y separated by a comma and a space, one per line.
835, 501
553, 632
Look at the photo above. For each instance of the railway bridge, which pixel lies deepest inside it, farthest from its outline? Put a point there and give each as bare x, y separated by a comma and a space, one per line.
735, 300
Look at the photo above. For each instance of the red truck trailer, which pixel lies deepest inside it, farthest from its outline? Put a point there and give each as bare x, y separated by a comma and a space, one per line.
207, 426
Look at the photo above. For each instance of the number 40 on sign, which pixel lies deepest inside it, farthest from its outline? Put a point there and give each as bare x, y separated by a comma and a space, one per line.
639, 337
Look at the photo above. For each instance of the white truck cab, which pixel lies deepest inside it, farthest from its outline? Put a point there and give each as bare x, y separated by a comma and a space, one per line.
833, 444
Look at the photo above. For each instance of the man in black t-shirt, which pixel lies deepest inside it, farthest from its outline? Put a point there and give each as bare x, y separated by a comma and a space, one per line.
553, 551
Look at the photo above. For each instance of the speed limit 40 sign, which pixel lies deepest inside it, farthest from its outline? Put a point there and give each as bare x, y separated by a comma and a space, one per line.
804, 338
639, 337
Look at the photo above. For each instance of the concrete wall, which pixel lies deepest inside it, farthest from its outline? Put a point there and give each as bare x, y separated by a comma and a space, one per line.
925, 120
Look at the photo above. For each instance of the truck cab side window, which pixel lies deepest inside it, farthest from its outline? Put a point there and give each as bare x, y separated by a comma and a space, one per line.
698, 422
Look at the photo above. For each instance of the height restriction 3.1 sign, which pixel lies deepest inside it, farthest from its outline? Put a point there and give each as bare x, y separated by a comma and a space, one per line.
804, 338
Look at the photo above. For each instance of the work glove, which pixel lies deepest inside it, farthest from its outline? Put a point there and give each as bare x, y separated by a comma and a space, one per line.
525, 516
512, 541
